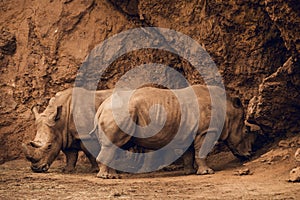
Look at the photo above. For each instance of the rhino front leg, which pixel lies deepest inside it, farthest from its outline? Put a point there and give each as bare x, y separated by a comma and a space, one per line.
71, 157
202, 167
201, 153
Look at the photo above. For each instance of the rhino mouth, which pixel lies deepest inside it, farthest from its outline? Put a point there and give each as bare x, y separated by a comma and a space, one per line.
243, 158
39, 169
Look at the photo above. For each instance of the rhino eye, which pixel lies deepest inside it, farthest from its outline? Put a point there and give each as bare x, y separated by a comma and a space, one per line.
247, 129
49, 146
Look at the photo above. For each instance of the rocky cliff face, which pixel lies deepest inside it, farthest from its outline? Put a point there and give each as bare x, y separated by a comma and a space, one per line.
254, 43
276, 106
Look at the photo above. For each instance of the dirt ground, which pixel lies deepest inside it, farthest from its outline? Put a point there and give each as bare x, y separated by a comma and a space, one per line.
268, 179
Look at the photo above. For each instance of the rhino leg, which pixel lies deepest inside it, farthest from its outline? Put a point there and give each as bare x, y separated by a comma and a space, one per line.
92, 159
202, 167
146, 162
201, 160
71, 157
188, 161
105, 172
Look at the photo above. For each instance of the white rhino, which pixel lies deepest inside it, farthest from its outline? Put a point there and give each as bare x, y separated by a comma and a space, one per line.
143, 110
56, 131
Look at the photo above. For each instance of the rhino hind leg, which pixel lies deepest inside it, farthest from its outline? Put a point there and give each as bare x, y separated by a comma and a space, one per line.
188, 161
71, 157
106, 172
92, 159
106, 155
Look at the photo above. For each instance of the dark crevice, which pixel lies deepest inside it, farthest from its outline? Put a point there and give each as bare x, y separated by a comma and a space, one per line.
131, 17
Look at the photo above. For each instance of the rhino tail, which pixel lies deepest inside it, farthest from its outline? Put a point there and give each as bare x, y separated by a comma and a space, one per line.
96, 118
93, 131
95, 128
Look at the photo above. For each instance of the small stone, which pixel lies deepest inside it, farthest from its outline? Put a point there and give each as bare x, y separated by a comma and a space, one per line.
297, 154
243, 172
285, 157
283, 143
263, 160
295, 175
142, 18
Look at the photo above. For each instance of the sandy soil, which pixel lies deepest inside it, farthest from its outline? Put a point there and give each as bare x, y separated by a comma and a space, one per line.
267, 180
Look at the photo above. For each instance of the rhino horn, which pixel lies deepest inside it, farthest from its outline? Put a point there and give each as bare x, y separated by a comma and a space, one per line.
253, 127
35, 111
35, 144
30, 152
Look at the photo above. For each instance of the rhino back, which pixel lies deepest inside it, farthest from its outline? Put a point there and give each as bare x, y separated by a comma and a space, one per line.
85, 104
164, 109
182, 119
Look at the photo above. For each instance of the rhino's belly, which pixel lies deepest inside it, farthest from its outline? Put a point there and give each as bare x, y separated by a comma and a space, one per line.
155, 142
173, 135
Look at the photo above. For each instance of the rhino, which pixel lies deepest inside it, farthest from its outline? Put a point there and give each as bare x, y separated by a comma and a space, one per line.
143, 102
56, 131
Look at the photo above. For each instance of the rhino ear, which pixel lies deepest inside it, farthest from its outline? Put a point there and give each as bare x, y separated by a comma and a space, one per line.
237, 103
35, 111
56, 115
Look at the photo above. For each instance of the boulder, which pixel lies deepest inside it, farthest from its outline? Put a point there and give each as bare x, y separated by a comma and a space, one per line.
295, 175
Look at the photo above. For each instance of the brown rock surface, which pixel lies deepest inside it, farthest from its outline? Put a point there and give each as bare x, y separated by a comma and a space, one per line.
255, 45
297, 155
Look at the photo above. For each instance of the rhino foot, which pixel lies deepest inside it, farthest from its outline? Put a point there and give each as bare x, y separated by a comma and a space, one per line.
205, 171
68, 170
189, 171
106, 175
94, 169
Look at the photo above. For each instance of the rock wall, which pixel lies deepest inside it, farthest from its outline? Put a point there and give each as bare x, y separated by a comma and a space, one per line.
255, 45
276, 106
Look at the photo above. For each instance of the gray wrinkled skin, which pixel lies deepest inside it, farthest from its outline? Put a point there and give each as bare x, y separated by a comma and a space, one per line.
234, 132
56, 131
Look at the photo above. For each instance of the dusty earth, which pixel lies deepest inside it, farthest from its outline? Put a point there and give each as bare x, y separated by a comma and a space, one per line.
254, 43
268, 179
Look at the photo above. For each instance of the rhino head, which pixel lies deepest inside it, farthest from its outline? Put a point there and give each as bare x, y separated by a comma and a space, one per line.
45, 147
240, 137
